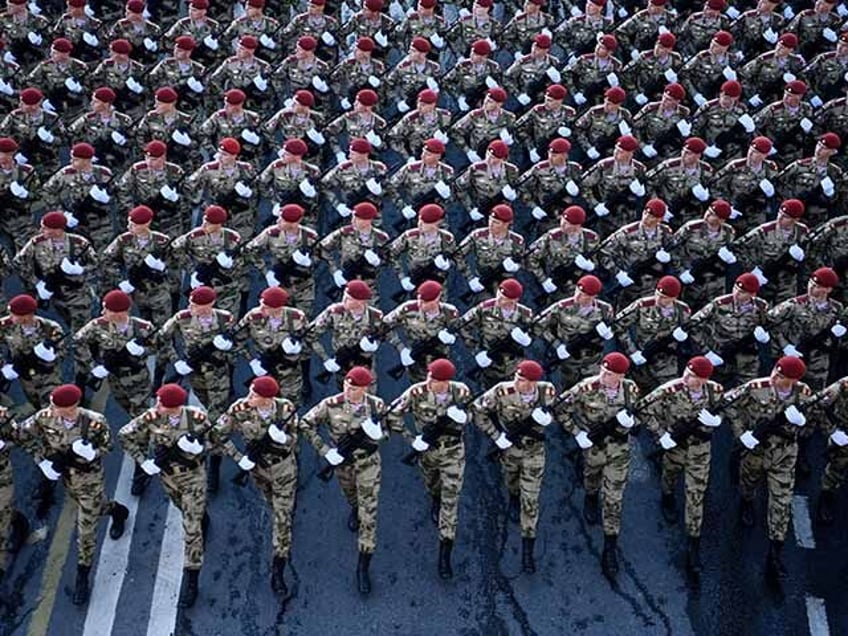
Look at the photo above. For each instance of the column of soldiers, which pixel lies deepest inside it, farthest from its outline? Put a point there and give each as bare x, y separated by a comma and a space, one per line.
607, 215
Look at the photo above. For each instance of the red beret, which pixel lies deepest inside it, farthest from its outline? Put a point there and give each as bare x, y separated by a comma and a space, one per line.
66, 395
793, 208
215, 214
230, 146
429, 290
77, 4
428, 96
141, 214
608, 42
359, 376
616, 362
762, 144
360, 145
358, 290
249, 42
365, 210
441, 370
530, 370
31, 96
574, 214
499, 148
675, 90
789, 40
185, 42
796, 87
292, 212
723, 38
426, 4
121, 46
63, 45
156, 148
203, 295
199, 4
615, 94
296, 147
374, 5
260, 4
656, 207
420, 44
304, 98
667, 40
669, 286
590, 284
116, 300
542, 40
559, 145
54, 220
171, 395
791, 367
700, 366
435, 146
721, 208
695, 144
82, 150
431, 212
503, 212
627, 142
481, 47
731, 88
831, 140
135, 6
274, 297
498, 94
235, 96
23, 305
556, 91
307, 43
266, 386
825, 276
748, 282
7, 144
367, 97
486, 4
511, 288
166, 95
105, 94
716, 5
658, 3
365, 44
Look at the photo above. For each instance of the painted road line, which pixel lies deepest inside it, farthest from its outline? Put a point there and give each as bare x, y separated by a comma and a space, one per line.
801, 522
817, 616
56, 555
112, 562
169, 574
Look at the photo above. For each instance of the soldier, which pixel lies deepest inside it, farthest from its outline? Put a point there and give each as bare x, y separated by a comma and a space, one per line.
697, 30
765, 412
245, 71
228, 182
277, 334
704, 72
268, 425
723, 121
681, 415
302, 69
681, 181
428, 325
599, 127
663, 122
826, 72
254, 22
478, 25
370, 22
576, 329
525, 24
514, 414
755, 29
61, 78
358, 71
638, 31
499, 331
828, 245
421, 182
356, 326
320, 25
767, 74
599, 411
428, 250
653, 69
143, 34
815, 26
412, 74
352, 419
498, 251
202, 28
352, 180
483, 124
832, 407
652, 330
579, 34
108, 130
297, 121
122, 75
422, 22
176, 434
291, 179
59, 266
18, 184
834, 116
545, 121
470, 77
548, 183
14, 527
235, 121
17, 22
529, 73
359, 123
182, 73
68, 443
591, 74
788, 123
32, 350
39, 132
167, 123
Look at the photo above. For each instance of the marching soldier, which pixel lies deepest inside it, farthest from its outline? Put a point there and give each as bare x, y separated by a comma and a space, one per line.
484, 124
124, 76
62, 79
352, 180
599, 412
826, 72
521, 407
480, 24
549, 182
832, 411
68, 443
176, 434
488, 181
411, 75
19, 183
302, 69
17, 22
256, 23
529, 73
108, 130
182, 73
359, 123
767, 413
525, 24
546, 121
697, 30
755, 29
815, 26
268, 425
661, 122
39, 132
828, 240
428, 250
423, 22
297, 121
579, 34
682, 181
498, 251
320, 25
143, 34
167, 123
358, 71
235, 121
591, 74
422, 182
292, 180
653, 69
766, 75
425, 124
723, 122
789, 122
352, 419
470, 77
202, 28
638, 31
244, 71
681, 414
704, 72
371, 22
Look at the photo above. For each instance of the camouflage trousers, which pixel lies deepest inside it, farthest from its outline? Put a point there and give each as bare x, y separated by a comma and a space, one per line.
836, 468
38, 389
229, 297
212, 385
774, 461
578, 367
7, 505
278, 483
18, 227
740, 368
657, 371
360, 483
290, 379
74, 307
301, 294
442, 468
131, 390
692, 459
605, 470
243, 222
523, 470
187, 491
154, 304
88, 491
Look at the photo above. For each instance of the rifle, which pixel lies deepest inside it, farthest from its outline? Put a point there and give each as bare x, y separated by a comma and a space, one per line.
213, 274
522, 429
142, 276
56, 279
258, 449
419, 350
165, 456
432, 432
353, 355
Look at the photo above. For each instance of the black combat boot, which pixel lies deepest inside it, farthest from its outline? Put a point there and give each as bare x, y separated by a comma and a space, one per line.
306, 391
609, 557
746, 513
140, 481
591, 513
825, 511
353, 519
775, 569
20, 532
669, 508
119, 514
214, 476
363, 579
81, 587
278, 581
528, 563
445, 569
435, 509
514, 510
693, 558
188, 593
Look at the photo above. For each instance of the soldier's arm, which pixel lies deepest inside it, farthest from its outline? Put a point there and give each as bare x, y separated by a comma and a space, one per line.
395, 419
482, 409
738, 408
134, 437
310, 423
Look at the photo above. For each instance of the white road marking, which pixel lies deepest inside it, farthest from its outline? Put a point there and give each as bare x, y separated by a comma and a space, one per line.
817, 616
169, 574
801, 522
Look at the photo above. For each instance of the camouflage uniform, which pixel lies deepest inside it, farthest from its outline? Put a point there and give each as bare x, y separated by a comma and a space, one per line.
236, 73
114, 75
720, 127
347, 330
659, 128
698, 30
527, 74
519, 31
38, 378
158, 126
141, 185
640, 30
110, 137
552, 255
548, 186
588, 74
351, 75
826, 73
409, 134
481, 185
414, 184
828, 244
809, 25
739, 183
293, 74
783, 126
540, 124
421, 330
489, 254
802, 179
486, 327
694, 248
579, 34
199, 30
345, 183
17, 220
469, 29
137, 33
833, 416
765, 75
350, 125
50, 76
280, 182
633, 249
7, 487
468, 79
293, 125
832, 116
176, 74
749, 31
406, 79
767, 246
351, 245
417, 25
216, 184
69, 189
598, 129
477, 128
648, 74
703, 73
672, 181
15, 30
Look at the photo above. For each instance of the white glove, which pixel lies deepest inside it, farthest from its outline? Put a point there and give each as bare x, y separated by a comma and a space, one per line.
118, 138
713, 357
211, 42
457, 414
48, 106
331, 366
257, 368
463, 104
641, 99
790, 350
374, 139
554, 75
509, 193
684, 127
604, 330
446, 337
437, 40
601, 209
623, 278
73, 85
224, 260
154, 263
747, 122
667, 442
372, 257
670, 76
593, 153
625, 419
150, 45
316, 137
483, 360
46, 467
45, 353
333, 457
686, 277
169, 193
726, 255
796, 252
441, 262
794, 416
549, 285
524, 99
344, 102
189, 444
649, 151
134, 348
505, 136
260, 83
838, 330
406, 358
708, 419
638, 358
181, 138
271, 279
770, 36
249, 136
9, 372
475, 214
679, 334
45, 135
368, 345
182, 367
789, 77
760, 276
806, 125
637, 188
662, 256
402, 106
372, 184
222, 343
827, 186
71, 268
133, 85
756, 101
583, 441
372, 429
624, 128
575, 11
541, 416
829, 34
406, 283
579, 98
788, 12
291, 346
197, 87
9, 57
43, 292
34, 38
562, 352
243, 190
520, 336
304, 186
150, 468
839, 437
564, 131
475, 285
442, 189
319, 84
538, 213
381, 39
82, 448
701, 193
699, 99
339, 278
419, 444
761, 335
502, 441
729, 74
510, 265
343, 210
246, 464
99, 194
584, 263
816, 101
712, 151
18, 190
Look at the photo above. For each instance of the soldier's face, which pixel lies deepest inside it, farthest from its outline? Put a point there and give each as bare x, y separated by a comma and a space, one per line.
480, 12
138, 229
523, 385
505, 301
54, 233
610, 106
244, 53
201, 310
362, 225
557, 158
654, 9
134, 17
16, 9
7, 160
784, 221
315, 10
663, 300
116, 316
822, 152
59, 56
23, 320
361, 56
552, 104
478, 59
211, 228
538, 51
621, 155
167, 410
791, 100
822, 7
416, 56
428, 228
491, 105
354, 305
302, 54
196, 14
726, 101
255, 400
592, 9
568, 227
582, 298
98, 106
226, 158
354, 393
601, 51
437, 386
498, 227
689, 158
766, 6
181, 54
426, 107
289, 227
713, 219
156, 163
842, 48
425, 11
430, 158
667, 102
649, 221
76, 12
233, 109
781, 382
357, 157
163, 108
755, 156
429, 306
65, 412
717, 49
82, 164
741, 296
274, 312
781, 50
610, 379
693, 381
31, 108
121, 58
818, 292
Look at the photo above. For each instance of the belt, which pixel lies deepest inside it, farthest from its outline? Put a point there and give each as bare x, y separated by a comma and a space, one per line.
180, 469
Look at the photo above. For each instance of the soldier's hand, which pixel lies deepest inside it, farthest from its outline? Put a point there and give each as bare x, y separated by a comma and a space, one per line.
708, 419
257, 368
331, 366
625, 419
502, 442
419, 444
583, 441
150, 468
82, 448
457, 414
100, 372
182, 367
9, 372
541, 416
748, 440
839, 437
333, 457
48, 470
246, 464
667, 441
794, 416
838, 330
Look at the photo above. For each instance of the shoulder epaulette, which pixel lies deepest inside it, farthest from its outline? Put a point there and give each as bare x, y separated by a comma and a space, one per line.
185, 314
